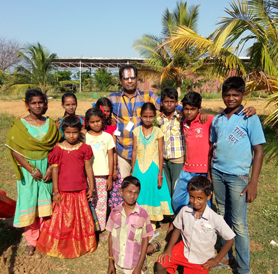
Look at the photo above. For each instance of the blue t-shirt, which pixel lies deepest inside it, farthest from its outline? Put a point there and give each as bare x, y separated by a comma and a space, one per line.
234, 140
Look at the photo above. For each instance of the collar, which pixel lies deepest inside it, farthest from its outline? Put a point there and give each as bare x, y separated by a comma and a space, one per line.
175, 114
134, 95
204, 215
238, 112
120, 208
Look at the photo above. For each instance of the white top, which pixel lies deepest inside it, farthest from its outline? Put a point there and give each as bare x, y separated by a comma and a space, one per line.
200, 235
100, 146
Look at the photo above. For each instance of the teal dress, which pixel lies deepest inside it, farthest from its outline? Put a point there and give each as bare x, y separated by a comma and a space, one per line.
34, 197
156, 201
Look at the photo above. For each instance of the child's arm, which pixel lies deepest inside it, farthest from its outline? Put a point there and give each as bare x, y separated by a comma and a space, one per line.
209, 161
56, 193
144, 246
115, 173
110, 166
251, 188
215, 261
90, 175
160, 151
36, 174
111, 266
168, 252
134, 152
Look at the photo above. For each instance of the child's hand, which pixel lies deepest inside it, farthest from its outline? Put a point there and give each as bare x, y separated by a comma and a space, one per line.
111, 268
210, 264
163, 256
89, 194
58, 124
115, 175
250, 111
136, 270
203, 117
57, 198
37, 175
159, 182
109, 183
251, 192
48, 175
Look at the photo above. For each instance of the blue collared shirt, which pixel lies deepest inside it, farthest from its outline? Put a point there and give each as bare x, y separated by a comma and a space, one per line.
233, 140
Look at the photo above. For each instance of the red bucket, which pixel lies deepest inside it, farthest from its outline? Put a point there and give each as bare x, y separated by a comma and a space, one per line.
7, 206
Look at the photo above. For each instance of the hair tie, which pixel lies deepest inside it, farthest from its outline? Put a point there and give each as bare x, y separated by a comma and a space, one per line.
101, 108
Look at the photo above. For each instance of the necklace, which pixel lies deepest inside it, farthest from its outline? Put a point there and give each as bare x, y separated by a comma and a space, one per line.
69, 149
147, 138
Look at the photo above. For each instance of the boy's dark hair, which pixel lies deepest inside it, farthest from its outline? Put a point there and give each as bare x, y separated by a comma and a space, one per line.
71, 121
148, 106
106, 102
169, 92
234, 82
199, 183
192, 98
130, 180
68, 94
122, 68
95, 111
33, 93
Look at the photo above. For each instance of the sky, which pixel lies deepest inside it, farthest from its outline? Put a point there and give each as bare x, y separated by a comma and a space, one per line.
94, 28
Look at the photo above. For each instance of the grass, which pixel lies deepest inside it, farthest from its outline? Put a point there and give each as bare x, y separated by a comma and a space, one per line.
262, 216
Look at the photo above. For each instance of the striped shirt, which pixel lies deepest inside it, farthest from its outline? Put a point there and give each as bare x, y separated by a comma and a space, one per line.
127, 233
127, 110
173, 144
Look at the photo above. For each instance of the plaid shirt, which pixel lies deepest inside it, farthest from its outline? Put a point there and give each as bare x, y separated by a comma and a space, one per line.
127, 234
173, 144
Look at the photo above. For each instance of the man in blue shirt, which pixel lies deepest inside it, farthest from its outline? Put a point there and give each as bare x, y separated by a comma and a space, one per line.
234, 139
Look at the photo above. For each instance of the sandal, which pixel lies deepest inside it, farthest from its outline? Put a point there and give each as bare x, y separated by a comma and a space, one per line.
29, 250
156, 247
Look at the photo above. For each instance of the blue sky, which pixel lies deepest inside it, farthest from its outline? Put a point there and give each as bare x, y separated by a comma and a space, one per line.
94, 28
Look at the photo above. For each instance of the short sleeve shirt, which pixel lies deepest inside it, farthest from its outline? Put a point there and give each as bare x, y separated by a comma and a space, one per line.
100, 146
199, 235
234, 140
71, 164
127, 234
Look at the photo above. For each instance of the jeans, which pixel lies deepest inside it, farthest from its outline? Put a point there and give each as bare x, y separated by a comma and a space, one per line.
181, 195
232, 206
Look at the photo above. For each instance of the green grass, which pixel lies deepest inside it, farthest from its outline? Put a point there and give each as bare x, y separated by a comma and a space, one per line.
262, 216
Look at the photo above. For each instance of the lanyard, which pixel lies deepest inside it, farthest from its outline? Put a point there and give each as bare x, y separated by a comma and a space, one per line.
129, 115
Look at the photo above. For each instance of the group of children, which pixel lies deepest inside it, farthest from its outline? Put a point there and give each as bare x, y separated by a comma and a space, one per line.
165, 180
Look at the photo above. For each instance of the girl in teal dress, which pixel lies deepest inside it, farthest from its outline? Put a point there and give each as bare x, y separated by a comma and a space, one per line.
147, 166
30, 139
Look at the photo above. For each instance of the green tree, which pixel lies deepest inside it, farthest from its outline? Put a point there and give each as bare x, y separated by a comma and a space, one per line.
36, 68
163, 63
64, 75
103, 78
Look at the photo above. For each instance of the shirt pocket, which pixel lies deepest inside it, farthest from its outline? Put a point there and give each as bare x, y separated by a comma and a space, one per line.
116, 231
175, 130
207, 235
135, 234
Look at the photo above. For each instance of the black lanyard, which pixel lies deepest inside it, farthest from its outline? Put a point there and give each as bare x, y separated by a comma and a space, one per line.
129, 115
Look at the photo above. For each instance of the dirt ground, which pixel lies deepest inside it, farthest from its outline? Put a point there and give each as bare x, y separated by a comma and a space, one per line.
55, 110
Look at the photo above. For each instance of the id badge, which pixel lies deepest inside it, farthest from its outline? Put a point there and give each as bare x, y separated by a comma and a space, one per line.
129, 126
117, 133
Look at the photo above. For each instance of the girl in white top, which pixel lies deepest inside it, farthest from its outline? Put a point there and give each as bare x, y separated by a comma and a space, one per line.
102, 161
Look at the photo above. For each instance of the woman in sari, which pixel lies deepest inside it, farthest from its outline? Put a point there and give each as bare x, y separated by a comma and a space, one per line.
30, 139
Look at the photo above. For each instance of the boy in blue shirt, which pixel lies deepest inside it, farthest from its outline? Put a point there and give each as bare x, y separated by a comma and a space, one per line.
234, 140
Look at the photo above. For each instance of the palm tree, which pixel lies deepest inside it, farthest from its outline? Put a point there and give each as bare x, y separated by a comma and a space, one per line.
247, 21
160, 62
36, 68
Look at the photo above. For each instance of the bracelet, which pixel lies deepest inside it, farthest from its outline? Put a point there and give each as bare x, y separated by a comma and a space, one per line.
110, 175
55, 193
115, 164
159, 176
111, 258
33, 173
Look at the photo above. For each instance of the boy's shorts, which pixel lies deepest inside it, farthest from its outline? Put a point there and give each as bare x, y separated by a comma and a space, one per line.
178, 258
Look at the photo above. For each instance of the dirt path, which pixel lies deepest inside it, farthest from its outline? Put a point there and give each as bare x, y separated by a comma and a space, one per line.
55, 110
